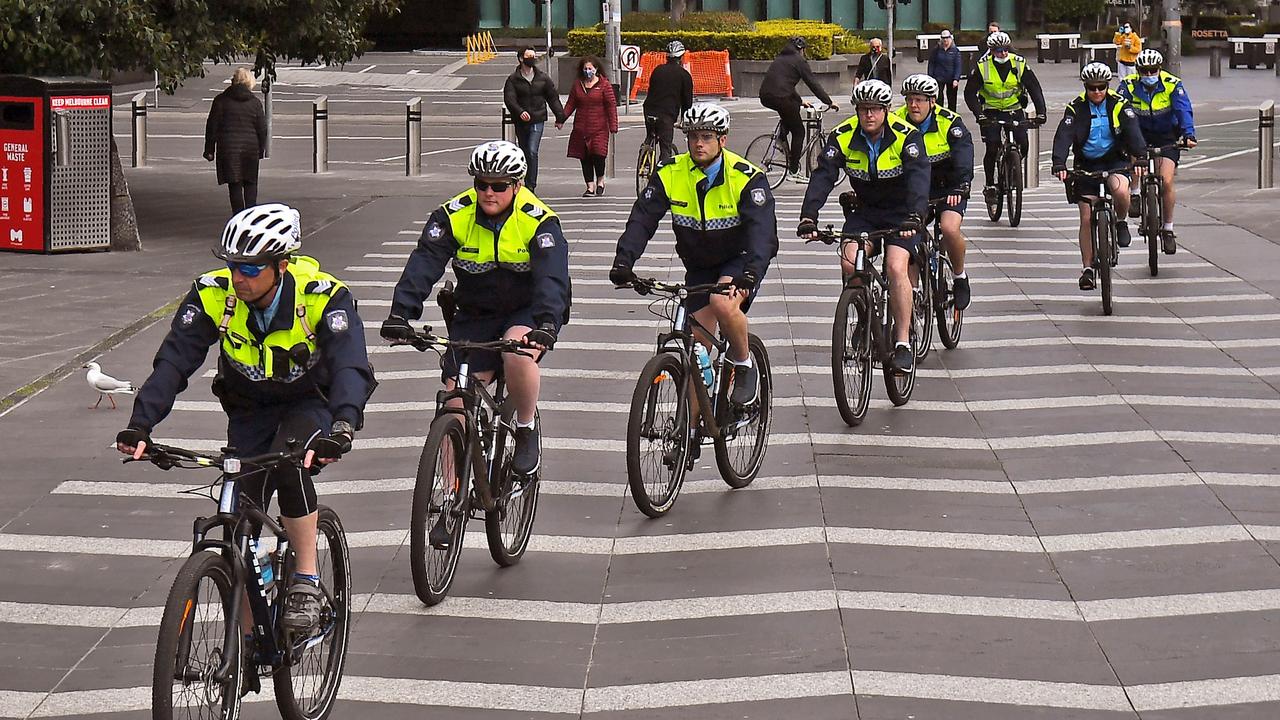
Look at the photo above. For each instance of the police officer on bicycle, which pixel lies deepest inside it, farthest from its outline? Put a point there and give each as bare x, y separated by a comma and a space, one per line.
1164, 113
722, 214
512, 264
885, 159
292, 366
998, 89
1102, 130
670, 94
950, 148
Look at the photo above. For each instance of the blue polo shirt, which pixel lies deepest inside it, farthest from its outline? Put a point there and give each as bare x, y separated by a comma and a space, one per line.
1100, 139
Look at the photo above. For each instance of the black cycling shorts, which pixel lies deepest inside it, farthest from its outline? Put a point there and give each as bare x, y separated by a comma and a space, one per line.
705, 276
466, 326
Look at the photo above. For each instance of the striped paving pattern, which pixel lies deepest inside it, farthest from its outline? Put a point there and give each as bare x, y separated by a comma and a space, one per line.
1073, 518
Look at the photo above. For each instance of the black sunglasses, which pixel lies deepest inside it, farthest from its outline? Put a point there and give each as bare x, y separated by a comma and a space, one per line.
494, 186
1149, 71
1096, 88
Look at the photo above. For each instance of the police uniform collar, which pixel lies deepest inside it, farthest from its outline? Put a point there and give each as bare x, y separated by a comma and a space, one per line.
283, 318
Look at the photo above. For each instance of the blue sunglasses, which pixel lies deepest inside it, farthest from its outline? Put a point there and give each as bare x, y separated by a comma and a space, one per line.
248, 270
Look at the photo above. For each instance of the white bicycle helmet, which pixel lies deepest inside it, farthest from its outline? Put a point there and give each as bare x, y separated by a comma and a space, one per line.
1095, 72
999, 39
675, 49
920, 84
498, 158
1149, 59
261, 233
706, 116
872, 92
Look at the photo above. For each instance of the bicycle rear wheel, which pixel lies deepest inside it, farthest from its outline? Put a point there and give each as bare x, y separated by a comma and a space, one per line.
658, 435
190, 645
1013, 186
769, 153
645, 163
813, 156
922, 304
439, 517
898, 385
1152, 219
1104, 239
851, 356
308, 688
509, 525
744, 431
950, 318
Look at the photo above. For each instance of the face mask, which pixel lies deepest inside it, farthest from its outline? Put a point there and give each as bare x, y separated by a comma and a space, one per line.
1125, 30
875, 51
1150, 80
1000, 59
588, 73
529, 62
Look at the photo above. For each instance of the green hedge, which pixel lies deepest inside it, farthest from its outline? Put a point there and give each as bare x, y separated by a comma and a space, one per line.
758, 45
708, 21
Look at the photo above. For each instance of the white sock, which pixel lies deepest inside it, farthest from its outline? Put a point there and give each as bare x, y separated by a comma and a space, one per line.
962, 276
902, 344
528, 424
1168, 226
743, 363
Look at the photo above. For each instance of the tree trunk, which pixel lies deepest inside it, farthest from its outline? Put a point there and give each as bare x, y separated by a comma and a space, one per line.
124, 221
677, 11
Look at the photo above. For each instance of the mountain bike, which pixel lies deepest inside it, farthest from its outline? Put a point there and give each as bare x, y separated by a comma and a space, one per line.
202, 665
1106, 254
674, 410
647, 160
862, 335
1008, 171
950, 318
465, 469
769, 151
1150, 210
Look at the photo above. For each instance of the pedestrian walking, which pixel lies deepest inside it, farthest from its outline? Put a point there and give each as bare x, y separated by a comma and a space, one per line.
874, 65
528, 93
593, 100
945, 67
235, 134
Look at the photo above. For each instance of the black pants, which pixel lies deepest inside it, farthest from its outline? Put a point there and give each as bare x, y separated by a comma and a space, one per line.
991, 136
788, 110
664, 128
243, 195
592, 168
268, 429
947, 94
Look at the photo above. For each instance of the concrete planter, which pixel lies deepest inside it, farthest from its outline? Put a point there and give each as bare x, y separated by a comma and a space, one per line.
835, 74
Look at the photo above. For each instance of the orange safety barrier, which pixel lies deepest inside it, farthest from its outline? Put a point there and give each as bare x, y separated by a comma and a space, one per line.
709, 68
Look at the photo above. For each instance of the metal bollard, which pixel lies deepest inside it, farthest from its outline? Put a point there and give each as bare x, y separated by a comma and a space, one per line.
413, 137
61, 138
1215, 62
612, 171
1031, 169
266, 108
320, 134
140, 129
508, 126
1266, 144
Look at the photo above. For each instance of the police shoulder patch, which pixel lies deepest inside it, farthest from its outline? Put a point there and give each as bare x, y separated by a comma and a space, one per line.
434, 231
648, 193
831, 151
533, 210
956, 132
189, 315
545, 240
1129, 112
337, 321
913, 150
759, 197
319, 287
1066, 120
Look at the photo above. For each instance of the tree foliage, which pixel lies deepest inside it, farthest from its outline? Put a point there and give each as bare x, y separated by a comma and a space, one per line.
1072, 10
175, 37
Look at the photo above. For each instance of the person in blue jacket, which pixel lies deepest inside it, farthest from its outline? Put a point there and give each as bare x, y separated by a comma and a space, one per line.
946, 67
1164, 113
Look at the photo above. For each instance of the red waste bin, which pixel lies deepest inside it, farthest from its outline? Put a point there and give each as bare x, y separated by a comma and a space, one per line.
44, 208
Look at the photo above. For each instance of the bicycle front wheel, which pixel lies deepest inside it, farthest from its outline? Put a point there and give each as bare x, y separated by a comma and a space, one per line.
645, 164
950, 318
851, 356
308, 688
922, 306
995, 207
439, 517
898, 385
1152, 219
744, 431
191, 645
1013, 186
658, 435
770, 155
1104, 239
509, 525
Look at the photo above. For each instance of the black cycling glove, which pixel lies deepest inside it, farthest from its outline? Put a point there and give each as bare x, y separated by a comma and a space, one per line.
621, 274
806, 227
545, 336
132, 436
337, 444
745, 280
396, 328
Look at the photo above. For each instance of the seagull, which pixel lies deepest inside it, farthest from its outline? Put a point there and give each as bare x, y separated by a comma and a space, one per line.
106, 385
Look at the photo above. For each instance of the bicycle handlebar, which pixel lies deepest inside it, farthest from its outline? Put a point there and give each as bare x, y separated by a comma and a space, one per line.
829, 236
424, 340
167, 457
652, 285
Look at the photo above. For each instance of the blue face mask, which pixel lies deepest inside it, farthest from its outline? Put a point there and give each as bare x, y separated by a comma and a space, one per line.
1150, 80
589, 73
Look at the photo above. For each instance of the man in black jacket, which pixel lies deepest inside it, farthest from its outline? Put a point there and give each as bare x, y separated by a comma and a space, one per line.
527, 94
778, 93
670, 94
875, 65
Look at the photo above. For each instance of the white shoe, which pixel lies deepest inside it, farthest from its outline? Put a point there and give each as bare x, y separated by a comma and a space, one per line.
796, 177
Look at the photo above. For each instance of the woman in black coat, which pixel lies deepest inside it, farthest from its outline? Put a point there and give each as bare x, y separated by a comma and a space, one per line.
236, 134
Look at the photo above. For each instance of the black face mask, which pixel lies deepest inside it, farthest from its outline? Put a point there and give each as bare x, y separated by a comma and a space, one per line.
529, 62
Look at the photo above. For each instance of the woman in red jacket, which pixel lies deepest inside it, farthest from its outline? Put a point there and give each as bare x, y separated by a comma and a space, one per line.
591, 96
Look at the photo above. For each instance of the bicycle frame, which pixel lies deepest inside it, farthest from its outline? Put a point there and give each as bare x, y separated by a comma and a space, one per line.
880, 312
680, 341
480, 446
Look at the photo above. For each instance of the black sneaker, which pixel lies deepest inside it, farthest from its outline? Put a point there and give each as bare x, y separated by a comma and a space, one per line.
989, 194
528, 455
1135, 206
302, 604
1169, 241
904, 359
961, 290
745, 385
1123, 238
1087, 281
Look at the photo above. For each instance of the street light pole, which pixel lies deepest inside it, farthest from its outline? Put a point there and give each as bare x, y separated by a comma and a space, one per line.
890, 6
1173, 36
612, 38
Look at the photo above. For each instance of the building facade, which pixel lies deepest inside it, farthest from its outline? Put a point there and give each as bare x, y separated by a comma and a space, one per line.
856, 14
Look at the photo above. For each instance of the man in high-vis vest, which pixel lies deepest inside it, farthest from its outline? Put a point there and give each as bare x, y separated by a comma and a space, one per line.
512, 263
886, 162
1164, 113
1101, 129
998, 89
292, 365
723, 218
950, 148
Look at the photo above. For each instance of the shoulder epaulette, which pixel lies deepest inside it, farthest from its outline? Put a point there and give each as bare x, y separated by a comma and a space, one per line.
320, 287
664, 163
744, 167
457, 204
532, 210
214, 281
